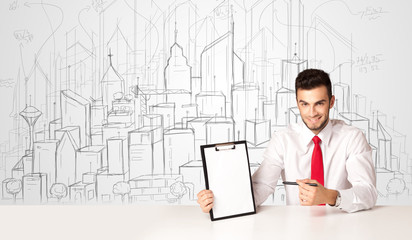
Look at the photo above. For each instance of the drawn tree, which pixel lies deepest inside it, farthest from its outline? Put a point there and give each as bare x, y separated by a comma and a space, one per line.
396, 186
14, 187
59, 191
121, 188
178, 189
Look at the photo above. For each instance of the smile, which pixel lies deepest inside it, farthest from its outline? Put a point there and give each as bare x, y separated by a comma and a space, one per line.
315, 120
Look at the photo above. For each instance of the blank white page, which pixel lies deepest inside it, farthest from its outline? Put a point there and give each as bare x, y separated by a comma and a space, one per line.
229, 179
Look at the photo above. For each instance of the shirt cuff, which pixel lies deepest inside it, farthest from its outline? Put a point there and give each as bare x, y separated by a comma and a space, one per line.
346, 203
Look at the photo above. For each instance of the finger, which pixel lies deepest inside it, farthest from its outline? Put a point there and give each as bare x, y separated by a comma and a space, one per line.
308, 196
203, 192
206, 202
200, 200
203, 195
303, 200
302, 184
206, 196
312, 181
303, 191
311, 193
305, 181
200, 194
303, 196
304, 188
207, 209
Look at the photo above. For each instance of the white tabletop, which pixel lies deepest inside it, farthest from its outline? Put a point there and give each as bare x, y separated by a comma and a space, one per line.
188, 222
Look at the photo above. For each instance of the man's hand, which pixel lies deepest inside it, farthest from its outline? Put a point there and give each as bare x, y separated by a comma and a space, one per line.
310, 196
205, 200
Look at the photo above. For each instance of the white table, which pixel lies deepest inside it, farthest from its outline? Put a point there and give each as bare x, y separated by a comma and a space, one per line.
188, 222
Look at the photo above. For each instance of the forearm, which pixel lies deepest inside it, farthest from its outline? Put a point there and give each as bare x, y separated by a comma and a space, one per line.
361, 174
264, 182
360, 197
261, 192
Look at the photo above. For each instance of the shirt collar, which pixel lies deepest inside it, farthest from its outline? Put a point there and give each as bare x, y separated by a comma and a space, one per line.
324, 135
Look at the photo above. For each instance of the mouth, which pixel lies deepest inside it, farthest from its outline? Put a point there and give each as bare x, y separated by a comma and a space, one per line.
314, 120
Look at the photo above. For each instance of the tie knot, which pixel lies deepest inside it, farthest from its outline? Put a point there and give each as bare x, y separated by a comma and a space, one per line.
316, 140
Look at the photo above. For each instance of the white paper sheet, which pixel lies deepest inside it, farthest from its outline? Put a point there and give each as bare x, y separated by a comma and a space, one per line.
229, 179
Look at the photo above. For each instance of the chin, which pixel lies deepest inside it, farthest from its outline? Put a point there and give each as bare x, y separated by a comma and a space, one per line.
317, 127
313, 126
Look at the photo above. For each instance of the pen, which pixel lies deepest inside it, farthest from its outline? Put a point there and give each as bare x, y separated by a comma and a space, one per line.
295, 183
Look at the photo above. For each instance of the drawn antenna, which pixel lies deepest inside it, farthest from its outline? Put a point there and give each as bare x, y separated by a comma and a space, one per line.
175, 32
110, 56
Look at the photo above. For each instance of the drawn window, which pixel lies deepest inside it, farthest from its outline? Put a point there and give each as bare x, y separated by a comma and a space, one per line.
106, 198
90, 195
78, 197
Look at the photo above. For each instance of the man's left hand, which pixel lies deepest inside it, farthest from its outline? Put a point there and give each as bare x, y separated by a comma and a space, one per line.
309, 195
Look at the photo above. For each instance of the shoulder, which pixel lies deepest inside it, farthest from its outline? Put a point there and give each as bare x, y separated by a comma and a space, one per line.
340, 126
344, 131
280, 140
291, 130
284, 136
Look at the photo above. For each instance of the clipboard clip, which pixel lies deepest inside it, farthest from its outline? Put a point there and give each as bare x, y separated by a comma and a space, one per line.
225, 146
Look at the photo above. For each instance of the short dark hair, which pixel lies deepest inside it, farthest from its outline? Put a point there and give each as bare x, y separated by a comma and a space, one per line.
313, 78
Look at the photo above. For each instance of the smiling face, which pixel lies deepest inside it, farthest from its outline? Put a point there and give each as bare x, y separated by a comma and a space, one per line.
314, 105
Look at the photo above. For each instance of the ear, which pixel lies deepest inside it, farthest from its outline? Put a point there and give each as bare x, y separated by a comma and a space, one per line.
332, 102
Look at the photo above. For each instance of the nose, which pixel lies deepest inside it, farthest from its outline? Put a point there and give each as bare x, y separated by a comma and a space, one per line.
312, 111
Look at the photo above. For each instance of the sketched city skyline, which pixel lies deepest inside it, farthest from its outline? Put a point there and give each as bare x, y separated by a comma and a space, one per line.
112, 107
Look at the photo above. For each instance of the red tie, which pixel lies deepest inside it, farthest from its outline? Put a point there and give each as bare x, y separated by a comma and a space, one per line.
317, 162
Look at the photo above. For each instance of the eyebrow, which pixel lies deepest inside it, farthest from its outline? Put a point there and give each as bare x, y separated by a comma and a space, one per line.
321, 101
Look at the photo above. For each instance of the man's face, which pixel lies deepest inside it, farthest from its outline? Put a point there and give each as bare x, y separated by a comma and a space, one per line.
314, 107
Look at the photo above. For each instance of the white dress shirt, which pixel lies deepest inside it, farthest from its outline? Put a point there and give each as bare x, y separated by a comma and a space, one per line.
347, 163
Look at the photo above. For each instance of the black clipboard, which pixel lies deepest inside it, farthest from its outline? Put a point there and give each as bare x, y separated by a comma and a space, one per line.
227, 174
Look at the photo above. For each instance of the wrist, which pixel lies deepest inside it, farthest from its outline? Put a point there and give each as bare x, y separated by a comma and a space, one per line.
333, 194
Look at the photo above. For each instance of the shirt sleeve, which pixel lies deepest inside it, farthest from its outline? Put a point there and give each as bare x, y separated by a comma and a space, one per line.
265, 178
361, 174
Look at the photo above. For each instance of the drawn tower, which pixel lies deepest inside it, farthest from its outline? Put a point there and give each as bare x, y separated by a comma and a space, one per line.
221, 68
31, 115
177, 73
111, 83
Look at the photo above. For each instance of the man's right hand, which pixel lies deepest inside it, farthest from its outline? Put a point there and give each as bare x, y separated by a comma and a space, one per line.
205, 200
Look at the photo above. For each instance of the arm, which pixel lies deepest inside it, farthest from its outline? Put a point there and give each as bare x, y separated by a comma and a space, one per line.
265, 178
361, 174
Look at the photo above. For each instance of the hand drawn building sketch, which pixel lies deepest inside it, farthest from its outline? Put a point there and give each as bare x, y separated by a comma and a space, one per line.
109, 101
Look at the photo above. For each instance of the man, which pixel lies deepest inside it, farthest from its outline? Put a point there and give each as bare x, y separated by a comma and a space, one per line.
326, 152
